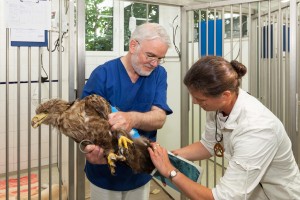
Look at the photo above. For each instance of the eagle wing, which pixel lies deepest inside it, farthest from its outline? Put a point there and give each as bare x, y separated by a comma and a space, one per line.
98, 104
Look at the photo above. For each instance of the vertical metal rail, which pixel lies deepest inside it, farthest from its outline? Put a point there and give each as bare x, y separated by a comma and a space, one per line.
277, 57
286, 71
184, 97
297, 154
293, 74
259, 44
283, 67
264, 57
274, 65
80, 160
249, 31
50, 128
191, 27
240, 53
231, 32
71, 179
29, 122
18, 123
269, 101
206, 29
206, 48
279, 63
249, 34
40, 128
7, 117
147, 12
215, 47
199, 56
253, 66
200, 31
60, 81
223, 33
223, 29
297, 82
206, 32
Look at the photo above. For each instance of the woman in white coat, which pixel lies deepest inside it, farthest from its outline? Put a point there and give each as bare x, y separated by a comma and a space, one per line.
240, 128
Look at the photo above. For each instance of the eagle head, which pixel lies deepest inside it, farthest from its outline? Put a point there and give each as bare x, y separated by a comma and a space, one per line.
48, 112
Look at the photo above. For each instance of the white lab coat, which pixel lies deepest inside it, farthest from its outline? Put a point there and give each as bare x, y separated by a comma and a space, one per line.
258, 150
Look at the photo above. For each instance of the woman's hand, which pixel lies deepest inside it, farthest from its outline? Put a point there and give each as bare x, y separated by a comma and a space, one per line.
95, 154
160, 159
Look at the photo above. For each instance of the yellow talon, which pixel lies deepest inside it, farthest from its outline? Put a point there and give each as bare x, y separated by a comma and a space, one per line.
111, 159
122, 141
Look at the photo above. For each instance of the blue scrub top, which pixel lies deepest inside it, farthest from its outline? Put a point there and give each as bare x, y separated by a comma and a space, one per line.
112, 82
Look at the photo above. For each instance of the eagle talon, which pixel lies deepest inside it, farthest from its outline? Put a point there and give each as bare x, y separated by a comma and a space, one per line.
111, 160
121, 150
123, 142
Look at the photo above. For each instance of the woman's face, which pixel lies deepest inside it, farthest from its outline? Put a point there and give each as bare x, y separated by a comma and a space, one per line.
207, 103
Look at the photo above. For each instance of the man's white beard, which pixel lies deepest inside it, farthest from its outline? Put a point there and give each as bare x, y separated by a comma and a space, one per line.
138, 67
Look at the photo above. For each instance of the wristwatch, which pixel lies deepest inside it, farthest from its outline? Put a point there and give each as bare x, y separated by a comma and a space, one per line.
173, 173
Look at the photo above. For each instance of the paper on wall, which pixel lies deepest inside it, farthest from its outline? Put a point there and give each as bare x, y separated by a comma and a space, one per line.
28, 14
27, 35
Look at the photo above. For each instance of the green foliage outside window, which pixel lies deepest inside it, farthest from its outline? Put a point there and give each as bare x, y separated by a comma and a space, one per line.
99, 22
98, 26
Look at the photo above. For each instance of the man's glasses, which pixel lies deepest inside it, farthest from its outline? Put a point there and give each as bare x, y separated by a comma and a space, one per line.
151, 57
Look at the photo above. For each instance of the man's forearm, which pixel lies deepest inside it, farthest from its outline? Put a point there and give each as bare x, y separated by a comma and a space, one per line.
149, 121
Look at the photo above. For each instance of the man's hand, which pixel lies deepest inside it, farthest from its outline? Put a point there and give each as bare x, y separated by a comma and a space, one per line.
120, 120
147, 121
95, 155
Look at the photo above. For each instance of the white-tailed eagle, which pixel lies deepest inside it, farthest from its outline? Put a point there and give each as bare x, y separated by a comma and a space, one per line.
87, 120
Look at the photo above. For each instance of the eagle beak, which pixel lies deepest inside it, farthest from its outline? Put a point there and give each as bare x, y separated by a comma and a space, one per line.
38, 120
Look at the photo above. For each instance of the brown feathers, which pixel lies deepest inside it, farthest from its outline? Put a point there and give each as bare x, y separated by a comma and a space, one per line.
87, 119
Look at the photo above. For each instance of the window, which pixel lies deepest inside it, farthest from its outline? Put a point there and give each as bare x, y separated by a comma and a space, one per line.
100, 26
236, 25
143, 13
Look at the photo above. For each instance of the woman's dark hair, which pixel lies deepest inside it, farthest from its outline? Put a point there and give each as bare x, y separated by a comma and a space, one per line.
212, 75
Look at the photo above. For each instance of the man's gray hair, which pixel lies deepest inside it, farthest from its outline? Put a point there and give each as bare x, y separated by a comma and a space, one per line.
151, 31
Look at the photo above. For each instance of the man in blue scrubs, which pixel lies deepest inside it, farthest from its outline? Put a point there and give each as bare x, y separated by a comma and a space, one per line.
137, 85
